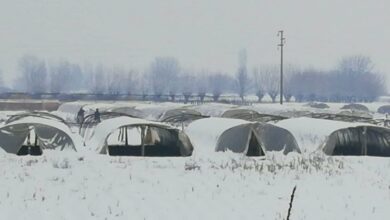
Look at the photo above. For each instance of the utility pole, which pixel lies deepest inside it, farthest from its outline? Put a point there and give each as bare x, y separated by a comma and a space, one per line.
282, 41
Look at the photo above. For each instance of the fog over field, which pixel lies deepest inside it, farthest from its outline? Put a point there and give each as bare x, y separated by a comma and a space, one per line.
206, 109
201, 35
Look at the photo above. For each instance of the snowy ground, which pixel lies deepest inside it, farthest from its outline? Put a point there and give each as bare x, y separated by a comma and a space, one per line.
77, 186
85, 185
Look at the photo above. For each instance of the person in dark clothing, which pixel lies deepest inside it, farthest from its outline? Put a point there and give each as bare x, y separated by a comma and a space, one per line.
97, 116
80, 116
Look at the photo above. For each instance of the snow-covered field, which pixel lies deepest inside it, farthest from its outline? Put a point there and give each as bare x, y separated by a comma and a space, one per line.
74, 186
85, 185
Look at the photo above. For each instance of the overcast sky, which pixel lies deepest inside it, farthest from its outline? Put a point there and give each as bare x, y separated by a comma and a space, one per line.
202, 34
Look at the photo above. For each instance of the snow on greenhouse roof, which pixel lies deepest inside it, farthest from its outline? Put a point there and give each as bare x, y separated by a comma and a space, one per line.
204, 133
311, 133
106, 127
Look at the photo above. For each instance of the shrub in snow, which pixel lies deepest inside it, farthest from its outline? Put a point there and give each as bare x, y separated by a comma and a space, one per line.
191, 165
61, 163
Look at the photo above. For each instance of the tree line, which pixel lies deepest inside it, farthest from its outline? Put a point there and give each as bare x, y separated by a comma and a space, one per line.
352, 79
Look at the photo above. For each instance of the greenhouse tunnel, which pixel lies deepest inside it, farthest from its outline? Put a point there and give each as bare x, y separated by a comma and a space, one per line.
151, 141
370, 141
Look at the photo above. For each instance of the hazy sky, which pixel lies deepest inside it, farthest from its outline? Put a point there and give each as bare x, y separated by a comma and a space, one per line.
202, 34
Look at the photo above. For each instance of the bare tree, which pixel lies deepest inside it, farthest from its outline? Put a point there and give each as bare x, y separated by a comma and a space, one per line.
271, 80
1, 78
129, 84
164, 72
289, 73
259, 84
98, 79
58, 76
115, 80
143, 84
353, 80
187, 82
357, 64
308, 85
65, 77
374, 86
219, 83
2, 88
34, 74
88, 70
77, 76
356, 80
201, 85
242, 74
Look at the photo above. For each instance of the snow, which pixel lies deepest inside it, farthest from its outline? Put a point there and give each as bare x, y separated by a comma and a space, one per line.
311, 133
4, 115
106, 127
77, 141
69, 110
154, 111
87, 185
212, 109
73, 186
43, 121
204, 133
